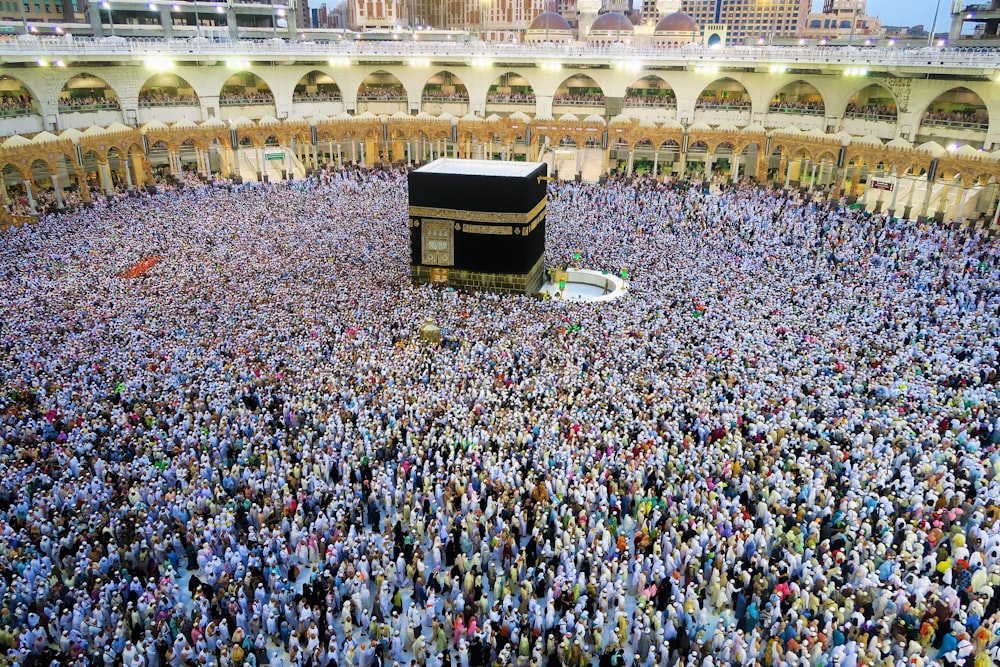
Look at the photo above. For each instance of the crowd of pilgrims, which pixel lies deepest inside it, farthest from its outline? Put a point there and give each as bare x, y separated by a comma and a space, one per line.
778, 448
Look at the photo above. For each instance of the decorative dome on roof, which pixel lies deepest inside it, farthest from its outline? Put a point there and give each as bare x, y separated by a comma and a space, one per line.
550, 21
612, 22
676, 22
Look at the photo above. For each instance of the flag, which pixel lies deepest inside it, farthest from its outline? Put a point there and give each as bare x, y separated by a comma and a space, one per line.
120, 388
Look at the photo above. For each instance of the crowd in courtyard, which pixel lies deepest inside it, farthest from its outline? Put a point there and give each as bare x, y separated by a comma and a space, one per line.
779, 448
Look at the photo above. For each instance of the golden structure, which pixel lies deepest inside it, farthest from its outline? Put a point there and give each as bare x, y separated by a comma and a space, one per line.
103, 158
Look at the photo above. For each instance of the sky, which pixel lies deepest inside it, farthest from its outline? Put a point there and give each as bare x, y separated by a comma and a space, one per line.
908, 12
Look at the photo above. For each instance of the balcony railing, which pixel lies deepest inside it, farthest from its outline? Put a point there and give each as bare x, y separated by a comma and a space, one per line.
802, 111
573, 102
101, 106
742, 106
656, 103
244, 101
334, 97
956, 124
495, 98
147, 104
12, 113
32, 47
861, 115
457, 99
383, 97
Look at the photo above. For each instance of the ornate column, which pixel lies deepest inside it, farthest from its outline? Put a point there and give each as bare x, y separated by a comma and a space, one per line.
963, 200
105, 177
909, 198
895, 193
787, 167
128, 173
855, 179
58, 190
137, 175
31, 197
734, 175
81, 180
927, 200
996, 213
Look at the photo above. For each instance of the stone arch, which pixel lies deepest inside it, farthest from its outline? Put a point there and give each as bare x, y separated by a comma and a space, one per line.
316, 86
245, 88
116, 166
85, 92
381, 85
799, 96
654, 91
958, 104
167, 89
827, 155
437, 87
642, 140
726, 144
866, 105
16, 97
92, 160
699, 147
40, 170
725, 93
579, 90
511, 88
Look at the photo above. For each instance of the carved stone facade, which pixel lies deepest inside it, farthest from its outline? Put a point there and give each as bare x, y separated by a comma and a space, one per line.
99, 157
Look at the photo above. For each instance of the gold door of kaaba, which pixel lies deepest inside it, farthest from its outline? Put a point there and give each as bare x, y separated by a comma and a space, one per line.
438, 242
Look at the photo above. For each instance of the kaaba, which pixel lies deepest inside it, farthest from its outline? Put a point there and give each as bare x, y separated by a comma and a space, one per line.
478, 224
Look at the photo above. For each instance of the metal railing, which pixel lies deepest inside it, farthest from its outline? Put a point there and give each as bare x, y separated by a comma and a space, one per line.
956, 124
577, 103
243, 102
395, 97
457, 99
103, 106
860, 115
31, 47
316, 98
12, 113
147, 104
492, 98
802, 111
702, 106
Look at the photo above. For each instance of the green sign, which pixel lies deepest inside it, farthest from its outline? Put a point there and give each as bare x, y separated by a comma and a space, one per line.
274, 156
